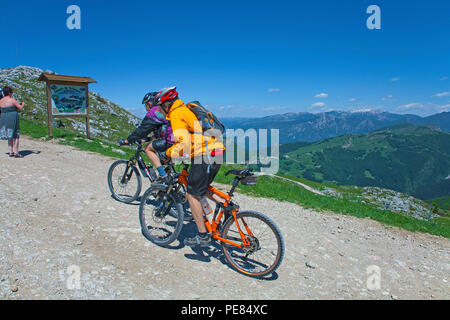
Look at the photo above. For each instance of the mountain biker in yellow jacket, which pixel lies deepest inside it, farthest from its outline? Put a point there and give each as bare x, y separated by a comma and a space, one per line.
189, 139
189, 130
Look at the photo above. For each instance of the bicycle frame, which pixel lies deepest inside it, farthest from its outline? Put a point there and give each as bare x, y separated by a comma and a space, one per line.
137, 158
213, 227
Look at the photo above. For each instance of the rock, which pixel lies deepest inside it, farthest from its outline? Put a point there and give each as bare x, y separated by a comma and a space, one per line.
14, 288
311, 265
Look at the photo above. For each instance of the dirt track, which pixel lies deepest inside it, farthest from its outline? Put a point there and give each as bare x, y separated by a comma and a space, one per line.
56, 212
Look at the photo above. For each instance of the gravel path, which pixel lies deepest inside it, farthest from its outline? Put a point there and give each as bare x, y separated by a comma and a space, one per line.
58, 222
300, 184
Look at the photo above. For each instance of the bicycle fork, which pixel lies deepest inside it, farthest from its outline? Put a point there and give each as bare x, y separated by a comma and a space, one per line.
127, 176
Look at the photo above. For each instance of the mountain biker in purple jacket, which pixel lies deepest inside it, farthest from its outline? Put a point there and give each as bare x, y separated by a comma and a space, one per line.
154, 121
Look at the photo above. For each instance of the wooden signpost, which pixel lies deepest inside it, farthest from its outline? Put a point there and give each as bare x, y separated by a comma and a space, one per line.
67, 97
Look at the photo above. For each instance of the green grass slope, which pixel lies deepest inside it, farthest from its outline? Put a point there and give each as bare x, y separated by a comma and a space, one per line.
406, 158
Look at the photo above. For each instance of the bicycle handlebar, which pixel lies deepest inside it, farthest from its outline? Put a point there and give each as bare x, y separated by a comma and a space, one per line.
138, 142
240, 173
142, 141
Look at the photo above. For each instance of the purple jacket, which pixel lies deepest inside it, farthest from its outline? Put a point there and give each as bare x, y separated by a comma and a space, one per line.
154, 121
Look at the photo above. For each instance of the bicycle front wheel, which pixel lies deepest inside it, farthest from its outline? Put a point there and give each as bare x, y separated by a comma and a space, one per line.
265, 251
161, 217
124, 181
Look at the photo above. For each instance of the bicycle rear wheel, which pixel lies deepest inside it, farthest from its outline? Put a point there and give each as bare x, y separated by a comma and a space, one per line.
266, 250
124, 181
160, 216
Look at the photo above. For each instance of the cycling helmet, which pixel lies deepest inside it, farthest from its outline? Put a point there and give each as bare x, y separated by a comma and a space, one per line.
149, 97
166, 94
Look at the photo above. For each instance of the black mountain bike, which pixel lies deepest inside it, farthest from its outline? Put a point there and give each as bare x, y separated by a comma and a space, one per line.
125, 182
124, 178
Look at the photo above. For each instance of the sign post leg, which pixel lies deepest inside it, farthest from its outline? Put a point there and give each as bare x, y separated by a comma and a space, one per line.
88, 128
49, 112
88, 125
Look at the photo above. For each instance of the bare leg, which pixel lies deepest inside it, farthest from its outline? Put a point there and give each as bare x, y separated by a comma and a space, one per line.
153, 156
16, 145
10, 145
214, 197
197, 212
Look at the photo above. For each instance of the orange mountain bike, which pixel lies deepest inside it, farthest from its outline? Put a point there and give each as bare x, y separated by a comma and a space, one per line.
251, 242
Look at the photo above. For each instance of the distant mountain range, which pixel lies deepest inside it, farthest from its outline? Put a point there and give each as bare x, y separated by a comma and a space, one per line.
308, 127
406, 158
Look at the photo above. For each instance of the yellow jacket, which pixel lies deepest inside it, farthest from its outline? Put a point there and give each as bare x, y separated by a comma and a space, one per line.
187, 132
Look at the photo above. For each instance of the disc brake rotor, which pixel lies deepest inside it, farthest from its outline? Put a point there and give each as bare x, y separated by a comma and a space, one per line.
158, 213
253, 247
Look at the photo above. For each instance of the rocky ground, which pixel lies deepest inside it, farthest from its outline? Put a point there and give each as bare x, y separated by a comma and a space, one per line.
59, 224
398, 202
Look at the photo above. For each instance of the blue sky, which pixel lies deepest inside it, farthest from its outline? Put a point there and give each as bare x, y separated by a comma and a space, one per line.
243, 58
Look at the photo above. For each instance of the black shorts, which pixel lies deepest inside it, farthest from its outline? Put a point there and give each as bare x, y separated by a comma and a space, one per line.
199, 178
160, 145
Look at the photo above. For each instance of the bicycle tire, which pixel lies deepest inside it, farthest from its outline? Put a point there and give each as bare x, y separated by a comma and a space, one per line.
119, 197
176, 213
228, 249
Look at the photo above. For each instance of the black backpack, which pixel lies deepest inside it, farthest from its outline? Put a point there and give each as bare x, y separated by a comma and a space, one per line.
206, 118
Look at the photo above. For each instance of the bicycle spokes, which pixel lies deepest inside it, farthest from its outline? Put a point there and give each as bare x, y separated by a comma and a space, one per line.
258, 245
123, 182
160, 219
126, 175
